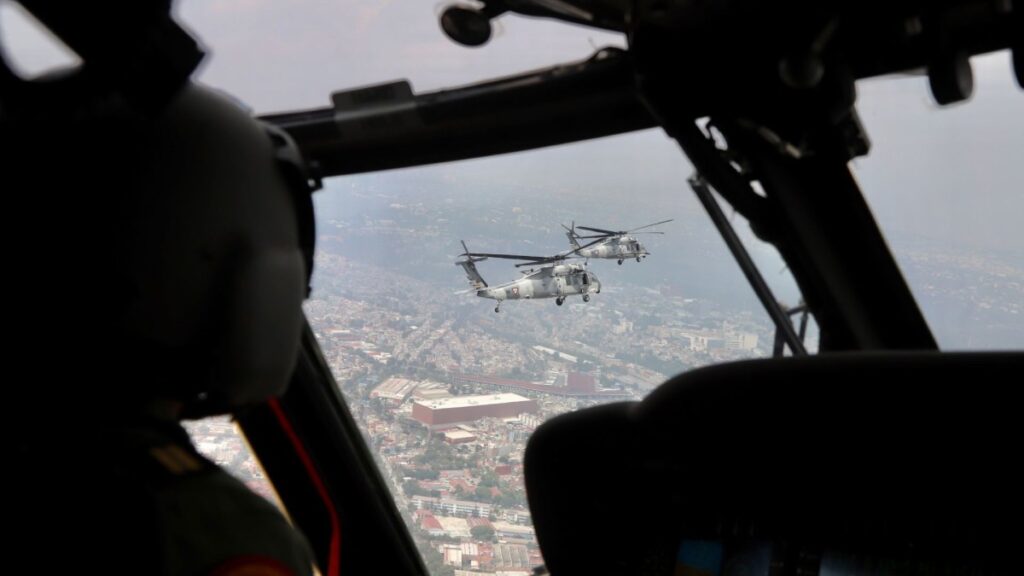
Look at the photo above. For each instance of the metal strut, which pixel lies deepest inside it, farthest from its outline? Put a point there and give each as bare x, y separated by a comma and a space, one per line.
784, 330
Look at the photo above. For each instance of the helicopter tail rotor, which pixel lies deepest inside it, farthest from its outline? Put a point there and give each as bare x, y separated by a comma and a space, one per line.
468, 264
571, 234
469, 256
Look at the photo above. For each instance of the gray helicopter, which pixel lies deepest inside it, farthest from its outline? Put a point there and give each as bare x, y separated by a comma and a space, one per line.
548, 277
609, 244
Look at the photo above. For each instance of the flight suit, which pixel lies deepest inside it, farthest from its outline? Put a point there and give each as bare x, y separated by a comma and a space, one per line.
137, 498
211, 523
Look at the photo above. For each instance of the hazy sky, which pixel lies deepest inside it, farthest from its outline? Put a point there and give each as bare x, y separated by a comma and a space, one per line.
950, 177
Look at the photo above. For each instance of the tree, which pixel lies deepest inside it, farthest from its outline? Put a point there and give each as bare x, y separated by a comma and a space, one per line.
413, 488
482, 493
488, 479
509, 500
429, 475
484, 533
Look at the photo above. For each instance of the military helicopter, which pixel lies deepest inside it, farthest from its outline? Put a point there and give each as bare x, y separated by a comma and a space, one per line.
610, 244
554, 278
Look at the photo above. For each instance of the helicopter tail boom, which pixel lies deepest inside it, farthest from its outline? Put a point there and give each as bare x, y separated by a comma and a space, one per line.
469, 265
571, 234
475, 279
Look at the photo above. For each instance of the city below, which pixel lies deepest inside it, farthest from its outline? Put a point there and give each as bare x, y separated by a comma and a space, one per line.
447, 394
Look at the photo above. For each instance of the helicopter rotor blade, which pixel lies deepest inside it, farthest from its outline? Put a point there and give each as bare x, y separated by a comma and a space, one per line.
598, 230
648, 226
548, 260
536, 262
508, 256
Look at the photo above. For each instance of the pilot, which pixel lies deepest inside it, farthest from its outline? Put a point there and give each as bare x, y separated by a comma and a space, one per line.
165, 273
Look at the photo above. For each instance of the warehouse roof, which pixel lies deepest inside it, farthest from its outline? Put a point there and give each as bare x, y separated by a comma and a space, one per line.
464, 401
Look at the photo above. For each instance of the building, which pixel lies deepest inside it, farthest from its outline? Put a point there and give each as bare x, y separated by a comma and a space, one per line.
455, 507
704, 343
511, 556
556, 353
430, 525
744, 341
394, 389
474, 522
506, 531
431, 391
581, 383
452, 555
459, 437
459, 409
585, 385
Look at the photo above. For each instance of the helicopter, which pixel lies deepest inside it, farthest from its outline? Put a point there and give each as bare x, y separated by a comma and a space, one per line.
554, 278
609, 244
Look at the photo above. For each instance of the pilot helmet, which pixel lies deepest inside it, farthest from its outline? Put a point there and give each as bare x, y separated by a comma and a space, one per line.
176, 256
172, 239
220, 254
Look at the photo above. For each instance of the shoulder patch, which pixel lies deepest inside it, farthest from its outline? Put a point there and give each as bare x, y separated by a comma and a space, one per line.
175, 459
252, 566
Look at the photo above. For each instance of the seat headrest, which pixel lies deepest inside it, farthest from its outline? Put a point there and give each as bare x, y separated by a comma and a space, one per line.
899, 457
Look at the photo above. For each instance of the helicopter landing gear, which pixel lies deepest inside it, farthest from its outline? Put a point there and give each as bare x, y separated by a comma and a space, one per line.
586, 297
497, 309
560, 300
620, 262
637, 258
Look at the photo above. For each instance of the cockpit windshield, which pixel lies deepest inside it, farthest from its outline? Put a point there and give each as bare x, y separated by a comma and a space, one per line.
446, 390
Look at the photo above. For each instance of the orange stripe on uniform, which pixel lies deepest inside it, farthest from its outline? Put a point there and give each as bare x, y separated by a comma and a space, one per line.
252, 566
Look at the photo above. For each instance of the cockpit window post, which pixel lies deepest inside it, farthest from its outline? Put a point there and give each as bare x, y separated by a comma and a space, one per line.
785, 333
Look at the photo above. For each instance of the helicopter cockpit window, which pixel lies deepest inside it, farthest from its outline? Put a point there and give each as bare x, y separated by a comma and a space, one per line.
410, 338
407, 333
940, 186
30, 49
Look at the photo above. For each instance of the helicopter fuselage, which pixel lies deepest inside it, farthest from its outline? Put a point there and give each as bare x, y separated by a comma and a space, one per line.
616, 248
556, 281
551, 277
